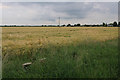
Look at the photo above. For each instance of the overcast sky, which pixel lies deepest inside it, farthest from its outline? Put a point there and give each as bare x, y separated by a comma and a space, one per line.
59, 0
69, 12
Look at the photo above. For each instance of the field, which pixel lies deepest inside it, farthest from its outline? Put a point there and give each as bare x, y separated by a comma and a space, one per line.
70, 52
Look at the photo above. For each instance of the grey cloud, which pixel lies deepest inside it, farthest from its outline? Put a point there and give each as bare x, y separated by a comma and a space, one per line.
42, 12
71, 9
59, 0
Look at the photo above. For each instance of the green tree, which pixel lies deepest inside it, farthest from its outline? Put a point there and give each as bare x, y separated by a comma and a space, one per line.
78, 25
119, 24
69, 25
114, 23
104, 24
63, 25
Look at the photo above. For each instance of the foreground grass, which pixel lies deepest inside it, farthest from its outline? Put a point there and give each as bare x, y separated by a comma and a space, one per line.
75, 52
86, 59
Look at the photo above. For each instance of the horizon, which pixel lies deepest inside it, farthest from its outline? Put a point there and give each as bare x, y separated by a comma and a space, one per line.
111, 23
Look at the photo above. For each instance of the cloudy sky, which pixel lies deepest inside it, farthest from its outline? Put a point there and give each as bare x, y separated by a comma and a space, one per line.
59, 0
69, 12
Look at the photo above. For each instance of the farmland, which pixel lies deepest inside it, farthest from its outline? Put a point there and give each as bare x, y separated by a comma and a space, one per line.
70, 52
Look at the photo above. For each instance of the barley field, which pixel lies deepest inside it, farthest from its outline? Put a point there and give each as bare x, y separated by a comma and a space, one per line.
69, 52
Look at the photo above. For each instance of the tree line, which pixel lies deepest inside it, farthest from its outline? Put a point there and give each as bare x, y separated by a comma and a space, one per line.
114, 24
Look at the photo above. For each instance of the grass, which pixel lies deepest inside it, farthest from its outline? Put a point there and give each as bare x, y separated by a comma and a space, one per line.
69, 52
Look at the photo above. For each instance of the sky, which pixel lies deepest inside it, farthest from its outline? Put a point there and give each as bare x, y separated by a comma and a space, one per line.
59, 0
38, 13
